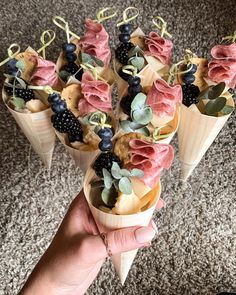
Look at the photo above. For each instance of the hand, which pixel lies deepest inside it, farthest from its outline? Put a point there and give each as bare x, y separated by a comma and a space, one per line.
77, 252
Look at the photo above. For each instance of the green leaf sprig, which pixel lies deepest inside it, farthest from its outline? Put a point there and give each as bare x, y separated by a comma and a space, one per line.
136, 58
213, 102
117, 180
141, 115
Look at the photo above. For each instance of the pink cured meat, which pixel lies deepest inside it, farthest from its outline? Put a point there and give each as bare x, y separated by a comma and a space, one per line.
222, 68
159, 47
96, 41
163, 98
45, 73
97, 95
151, 158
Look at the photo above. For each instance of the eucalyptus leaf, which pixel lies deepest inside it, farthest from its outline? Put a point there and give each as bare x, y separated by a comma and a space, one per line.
87, 59
216, 91
137, 173
204, 93
20, 65
125, 186
125, 172
21, 82
143, 116
107, 178
138, 101
109, 196
135, 125
215, 105
125, 125
98, 61
64, 75
144, 130
137, 62
227, 109
18, 102
115, 171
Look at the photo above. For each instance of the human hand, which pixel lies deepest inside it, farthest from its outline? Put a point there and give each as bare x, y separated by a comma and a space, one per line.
77, 252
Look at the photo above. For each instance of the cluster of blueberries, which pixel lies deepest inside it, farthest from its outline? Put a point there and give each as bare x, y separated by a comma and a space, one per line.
105, 134
189, 78
70, 55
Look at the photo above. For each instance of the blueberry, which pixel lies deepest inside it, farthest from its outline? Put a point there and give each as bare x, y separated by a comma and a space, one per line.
105, 145
133, 90
134, 81
59, 107
126, 28
75, 137
54, 98
124, 38
68, 47
188, 78
105, 133
71, 57
11, 66
193, 69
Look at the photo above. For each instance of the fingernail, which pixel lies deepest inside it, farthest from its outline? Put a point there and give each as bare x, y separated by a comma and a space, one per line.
154, 227
144, 234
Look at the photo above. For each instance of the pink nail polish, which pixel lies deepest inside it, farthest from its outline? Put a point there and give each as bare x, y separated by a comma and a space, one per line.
144, 234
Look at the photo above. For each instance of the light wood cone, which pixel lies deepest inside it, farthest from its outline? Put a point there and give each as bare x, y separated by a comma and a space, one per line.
196, 133
107, 222
83, 159
38, 129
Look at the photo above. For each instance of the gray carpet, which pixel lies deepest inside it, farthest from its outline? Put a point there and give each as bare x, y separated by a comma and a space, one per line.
196, 248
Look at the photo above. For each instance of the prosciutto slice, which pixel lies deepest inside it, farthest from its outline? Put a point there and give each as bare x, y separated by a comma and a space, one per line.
222, 68
45, 73
151, 158
96, 95
96, 41
159, 47
163, 98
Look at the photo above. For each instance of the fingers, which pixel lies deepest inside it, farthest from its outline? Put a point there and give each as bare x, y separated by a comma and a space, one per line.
160, 204
121, 240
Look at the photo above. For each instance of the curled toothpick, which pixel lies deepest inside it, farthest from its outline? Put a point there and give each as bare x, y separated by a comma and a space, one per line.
101, 14
48, 89
11, 53
230, 39
93, 71
175, 68
127, 18
62, 24
102, 117
161, 25
50, 35
130, 70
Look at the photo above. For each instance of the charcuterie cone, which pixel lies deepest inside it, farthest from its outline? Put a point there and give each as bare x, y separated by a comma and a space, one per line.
196, 133
106, 222
38, 129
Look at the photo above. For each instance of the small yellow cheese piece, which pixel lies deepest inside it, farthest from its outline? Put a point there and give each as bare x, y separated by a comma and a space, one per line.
158, 122
140, 189
127, 204
35, 106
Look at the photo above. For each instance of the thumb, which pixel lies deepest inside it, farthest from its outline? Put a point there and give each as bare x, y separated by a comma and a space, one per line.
122, 240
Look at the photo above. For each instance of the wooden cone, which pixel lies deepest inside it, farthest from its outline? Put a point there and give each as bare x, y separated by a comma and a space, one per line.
38, 129
107, 222
83, 159
196, 133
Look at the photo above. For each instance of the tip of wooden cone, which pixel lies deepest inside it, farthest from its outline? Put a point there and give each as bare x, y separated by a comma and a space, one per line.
186, 170
122, 263
46, 158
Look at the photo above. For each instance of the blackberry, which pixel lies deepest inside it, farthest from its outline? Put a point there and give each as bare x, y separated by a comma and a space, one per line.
26, 94
75, 137
190, 94
105, 160
125, 104
66, 122
122, 52
71, 68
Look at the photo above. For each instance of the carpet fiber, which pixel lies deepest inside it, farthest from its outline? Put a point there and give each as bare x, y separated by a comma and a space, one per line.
195, 251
